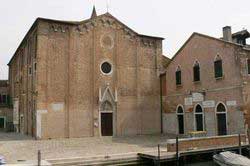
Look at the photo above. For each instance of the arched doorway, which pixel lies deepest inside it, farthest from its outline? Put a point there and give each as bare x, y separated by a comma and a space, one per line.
199, 118
221, 115
180, 119
106, 117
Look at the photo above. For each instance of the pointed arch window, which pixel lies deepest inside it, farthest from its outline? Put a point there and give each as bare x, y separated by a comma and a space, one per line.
178, 76
196, 71
180, 119
199, 118
218, 70
221, 114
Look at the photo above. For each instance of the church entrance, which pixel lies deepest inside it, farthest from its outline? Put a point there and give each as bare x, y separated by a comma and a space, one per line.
107, 124
107, 119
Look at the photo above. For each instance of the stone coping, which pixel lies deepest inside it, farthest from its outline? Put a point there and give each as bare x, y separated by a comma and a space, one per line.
173, 141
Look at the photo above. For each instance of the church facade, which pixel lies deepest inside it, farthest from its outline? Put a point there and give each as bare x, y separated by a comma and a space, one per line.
95, 77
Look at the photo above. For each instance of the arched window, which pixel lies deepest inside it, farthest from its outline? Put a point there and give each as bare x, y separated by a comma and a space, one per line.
199, 118
218, 70
196, 71
180, 119
221, 115
178, 76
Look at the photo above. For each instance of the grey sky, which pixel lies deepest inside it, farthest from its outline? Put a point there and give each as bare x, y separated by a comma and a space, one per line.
174, 20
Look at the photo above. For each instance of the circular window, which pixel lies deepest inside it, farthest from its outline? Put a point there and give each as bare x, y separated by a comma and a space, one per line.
106, 67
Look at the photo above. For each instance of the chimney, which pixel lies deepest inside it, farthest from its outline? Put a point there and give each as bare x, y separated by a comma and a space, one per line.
227, 33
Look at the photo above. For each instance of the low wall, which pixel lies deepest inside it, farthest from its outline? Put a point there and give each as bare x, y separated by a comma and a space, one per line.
205, 142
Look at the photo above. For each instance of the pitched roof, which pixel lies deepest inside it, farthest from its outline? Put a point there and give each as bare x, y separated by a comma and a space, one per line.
241, 33
77, 23
206, 36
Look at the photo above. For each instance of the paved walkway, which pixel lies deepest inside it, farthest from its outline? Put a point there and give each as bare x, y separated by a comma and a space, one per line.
16, 147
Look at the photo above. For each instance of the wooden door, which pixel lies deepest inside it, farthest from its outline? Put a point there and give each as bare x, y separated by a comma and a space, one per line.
107, 124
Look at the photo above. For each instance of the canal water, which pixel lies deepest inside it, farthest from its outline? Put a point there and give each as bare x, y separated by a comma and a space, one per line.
207, 163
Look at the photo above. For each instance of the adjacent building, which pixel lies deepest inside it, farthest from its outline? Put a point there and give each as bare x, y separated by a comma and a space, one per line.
208, 85
5, 107
95, 77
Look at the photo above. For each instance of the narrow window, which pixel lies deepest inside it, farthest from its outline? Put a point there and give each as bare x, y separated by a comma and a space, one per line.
30, 71
248, 66
218, 71
4, 99
196, 72
180, 119
1, 100
35, 67
178, 76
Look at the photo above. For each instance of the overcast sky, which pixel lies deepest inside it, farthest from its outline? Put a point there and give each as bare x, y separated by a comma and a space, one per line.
174, 20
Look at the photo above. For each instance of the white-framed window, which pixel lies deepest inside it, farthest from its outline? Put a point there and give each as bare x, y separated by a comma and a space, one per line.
180, 119
199, 118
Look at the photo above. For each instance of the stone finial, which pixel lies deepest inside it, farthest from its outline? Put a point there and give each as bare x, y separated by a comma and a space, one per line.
93, 15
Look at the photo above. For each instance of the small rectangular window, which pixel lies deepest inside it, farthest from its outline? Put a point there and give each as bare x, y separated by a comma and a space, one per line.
178, 77
248, 66
218, 71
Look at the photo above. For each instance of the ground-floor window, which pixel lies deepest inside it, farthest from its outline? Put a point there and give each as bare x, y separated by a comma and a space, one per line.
180, 119
221, 115
199, 118
2, 122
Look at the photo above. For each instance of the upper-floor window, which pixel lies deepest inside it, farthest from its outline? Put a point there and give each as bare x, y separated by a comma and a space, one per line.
218, 70
196, 71
248, 66
178, 76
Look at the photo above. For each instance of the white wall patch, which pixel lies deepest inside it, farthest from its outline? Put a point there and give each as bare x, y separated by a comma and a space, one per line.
197, 97
208, 104
188, 101
231, 103
57, 106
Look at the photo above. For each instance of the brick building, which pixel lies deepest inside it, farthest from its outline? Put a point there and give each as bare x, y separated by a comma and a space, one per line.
5, 107
95, 77
208, 85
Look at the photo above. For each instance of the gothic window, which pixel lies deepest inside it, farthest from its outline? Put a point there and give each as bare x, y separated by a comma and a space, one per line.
218, 70
180, 119
196, 71
199, 118
248, 66
221, 115
178, 76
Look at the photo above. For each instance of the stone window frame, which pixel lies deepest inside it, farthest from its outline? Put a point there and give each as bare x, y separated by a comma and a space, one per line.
196, 64
108, 61
183, 113
199, 113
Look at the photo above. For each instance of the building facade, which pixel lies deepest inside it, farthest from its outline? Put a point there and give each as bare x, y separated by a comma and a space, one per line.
95, 77
5, 107
207, 85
